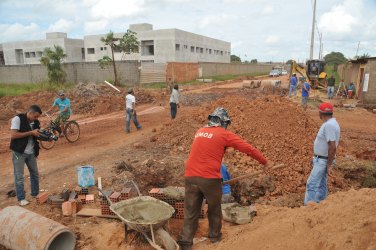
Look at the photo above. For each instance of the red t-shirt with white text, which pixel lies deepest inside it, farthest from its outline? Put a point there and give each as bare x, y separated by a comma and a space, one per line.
208, 148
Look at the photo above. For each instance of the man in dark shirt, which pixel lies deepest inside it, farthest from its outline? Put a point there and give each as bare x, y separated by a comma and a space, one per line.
331, 83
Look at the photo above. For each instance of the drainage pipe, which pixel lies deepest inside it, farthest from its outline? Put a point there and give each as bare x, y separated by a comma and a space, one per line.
26, 230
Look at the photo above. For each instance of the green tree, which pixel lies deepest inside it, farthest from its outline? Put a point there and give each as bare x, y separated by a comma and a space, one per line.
335, 58
52, 59
127, 44
235, 58
105, 62
254, 61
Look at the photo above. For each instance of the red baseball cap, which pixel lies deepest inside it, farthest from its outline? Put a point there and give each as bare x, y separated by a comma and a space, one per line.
326, 108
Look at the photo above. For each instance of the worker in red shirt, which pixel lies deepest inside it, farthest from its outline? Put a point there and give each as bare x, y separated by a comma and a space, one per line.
203, 178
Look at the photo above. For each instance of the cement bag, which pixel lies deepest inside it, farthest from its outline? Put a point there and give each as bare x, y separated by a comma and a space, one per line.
85, 176
235, 213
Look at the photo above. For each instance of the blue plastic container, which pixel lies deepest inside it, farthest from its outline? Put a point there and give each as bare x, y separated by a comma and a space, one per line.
85, 176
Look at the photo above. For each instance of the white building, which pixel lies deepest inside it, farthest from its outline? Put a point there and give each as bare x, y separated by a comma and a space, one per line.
30, 52
165, 45
159, 46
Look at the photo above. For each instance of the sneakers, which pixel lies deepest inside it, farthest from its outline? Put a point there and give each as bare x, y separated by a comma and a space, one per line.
24, 203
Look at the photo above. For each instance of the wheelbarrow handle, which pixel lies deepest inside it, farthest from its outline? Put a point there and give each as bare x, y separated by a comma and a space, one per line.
108, 199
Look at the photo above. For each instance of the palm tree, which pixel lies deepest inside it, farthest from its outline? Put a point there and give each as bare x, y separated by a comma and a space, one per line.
52, 59
111, 41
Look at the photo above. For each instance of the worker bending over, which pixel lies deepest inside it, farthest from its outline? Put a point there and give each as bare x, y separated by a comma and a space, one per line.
203, 177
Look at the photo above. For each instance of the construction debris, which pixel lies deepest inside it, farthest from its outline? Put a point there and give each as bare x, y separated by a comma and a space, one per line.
235, 213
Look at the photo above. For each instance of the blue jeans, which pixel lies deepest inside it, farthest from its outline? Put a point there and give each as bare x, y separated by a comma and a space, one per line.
128, 116
330, 92
19, 161
174, 109
292, 89
317, 184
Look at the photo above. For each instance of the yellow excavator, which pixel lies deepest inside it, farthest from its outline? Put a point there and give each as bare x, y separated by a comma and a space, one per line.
313, 71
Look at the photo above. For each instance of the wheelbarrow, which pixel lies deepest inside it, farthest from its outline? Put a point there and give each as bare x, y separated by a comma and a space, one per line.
146, 215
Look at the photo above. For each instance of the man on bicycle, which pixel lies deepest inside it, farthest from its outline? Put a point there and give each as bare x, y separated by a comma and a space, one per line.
64, 110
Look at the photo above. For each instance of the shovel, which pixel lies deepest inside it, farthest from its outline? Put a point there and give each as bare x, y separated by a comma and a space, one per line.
251, 174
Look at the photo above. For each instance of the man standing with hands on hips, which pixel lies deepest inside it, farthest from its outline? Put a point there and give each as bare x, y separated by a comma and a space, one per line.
325, 147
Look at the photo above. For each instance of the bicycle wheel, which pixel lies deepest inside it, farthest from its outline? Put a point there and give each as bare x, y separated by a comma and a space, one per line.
72, 131
49, 144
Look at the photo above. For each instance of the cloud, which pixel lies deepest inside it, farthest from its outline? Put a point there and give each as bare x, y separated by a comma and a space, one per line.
272, 40
114, 9
268, 10
95, 27
236, 44
337, 21
61, 25
212, 20
17, 32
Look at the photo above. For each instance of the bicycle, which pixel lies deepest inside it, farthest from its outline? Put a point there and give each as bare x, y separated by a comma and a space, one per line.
71, 132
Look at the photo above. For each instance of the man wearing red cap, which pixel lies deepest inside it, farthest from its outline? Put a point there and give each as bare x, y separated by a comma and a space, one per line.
324, 148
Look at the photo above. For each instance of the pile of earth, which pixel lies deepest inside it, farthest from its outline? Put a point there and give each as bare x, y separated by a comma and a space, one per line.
277, 127
87, 99
345, 220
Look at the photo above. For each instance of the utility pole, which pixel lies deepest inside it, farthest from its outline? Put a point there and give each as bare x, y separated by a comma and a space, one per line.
320, 48
313, 30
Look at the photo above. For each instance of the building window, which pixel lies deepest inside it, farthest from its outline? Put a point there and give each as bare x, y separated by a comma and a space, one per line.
103, 48
39, 53
185, 46
83, 53
192, 49
32, 54
27, 54
221, 52
90, 50
209, 51
177, 47
147, 48
201, 50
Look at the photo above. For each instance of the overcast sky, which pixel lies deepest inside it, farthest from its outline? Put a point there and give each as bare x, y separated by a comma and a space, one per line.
275, 30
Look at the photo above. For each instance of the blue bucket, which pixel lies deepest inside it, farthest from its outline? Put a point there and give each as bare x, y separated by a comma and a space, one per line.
85, 176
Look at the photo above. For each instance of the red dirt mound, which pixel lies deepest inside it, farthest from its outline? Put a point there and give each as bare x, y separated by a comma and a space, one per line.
280, 129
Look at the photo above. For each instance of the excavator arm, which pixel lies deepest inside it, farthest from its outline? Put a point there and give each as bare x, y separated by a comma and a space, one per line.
296, 68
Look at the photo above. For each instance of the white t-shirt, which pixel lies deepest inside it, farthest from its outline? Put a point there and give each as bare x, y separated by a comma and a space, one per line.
129, 99
16, 124
329, 131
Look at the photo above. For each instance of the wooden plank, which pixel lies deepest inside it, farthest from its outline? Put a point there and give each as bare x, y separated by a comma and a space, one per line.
94, 212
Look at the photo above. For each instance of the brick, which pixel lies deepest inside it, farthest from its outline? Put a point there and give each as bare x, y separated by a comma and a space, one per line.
67, 208
115, 197
154, 191
89, 198
82, 197
84, 190
42, 198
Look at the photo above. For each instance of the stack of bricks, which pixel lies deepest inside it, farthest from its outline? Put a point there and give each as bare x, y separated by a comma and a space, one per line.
179, 210
125, 194
84, 190
42, 198
105, 205
178, 205
55, 201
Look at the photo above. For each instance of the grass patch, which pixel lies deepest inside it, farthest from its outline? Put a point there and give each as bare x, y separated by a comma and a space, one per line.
231, 77
20, 89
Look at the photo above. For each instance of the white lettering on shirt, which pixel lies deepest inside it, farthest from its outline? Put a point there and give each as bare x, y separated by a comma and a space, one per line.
204, 134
